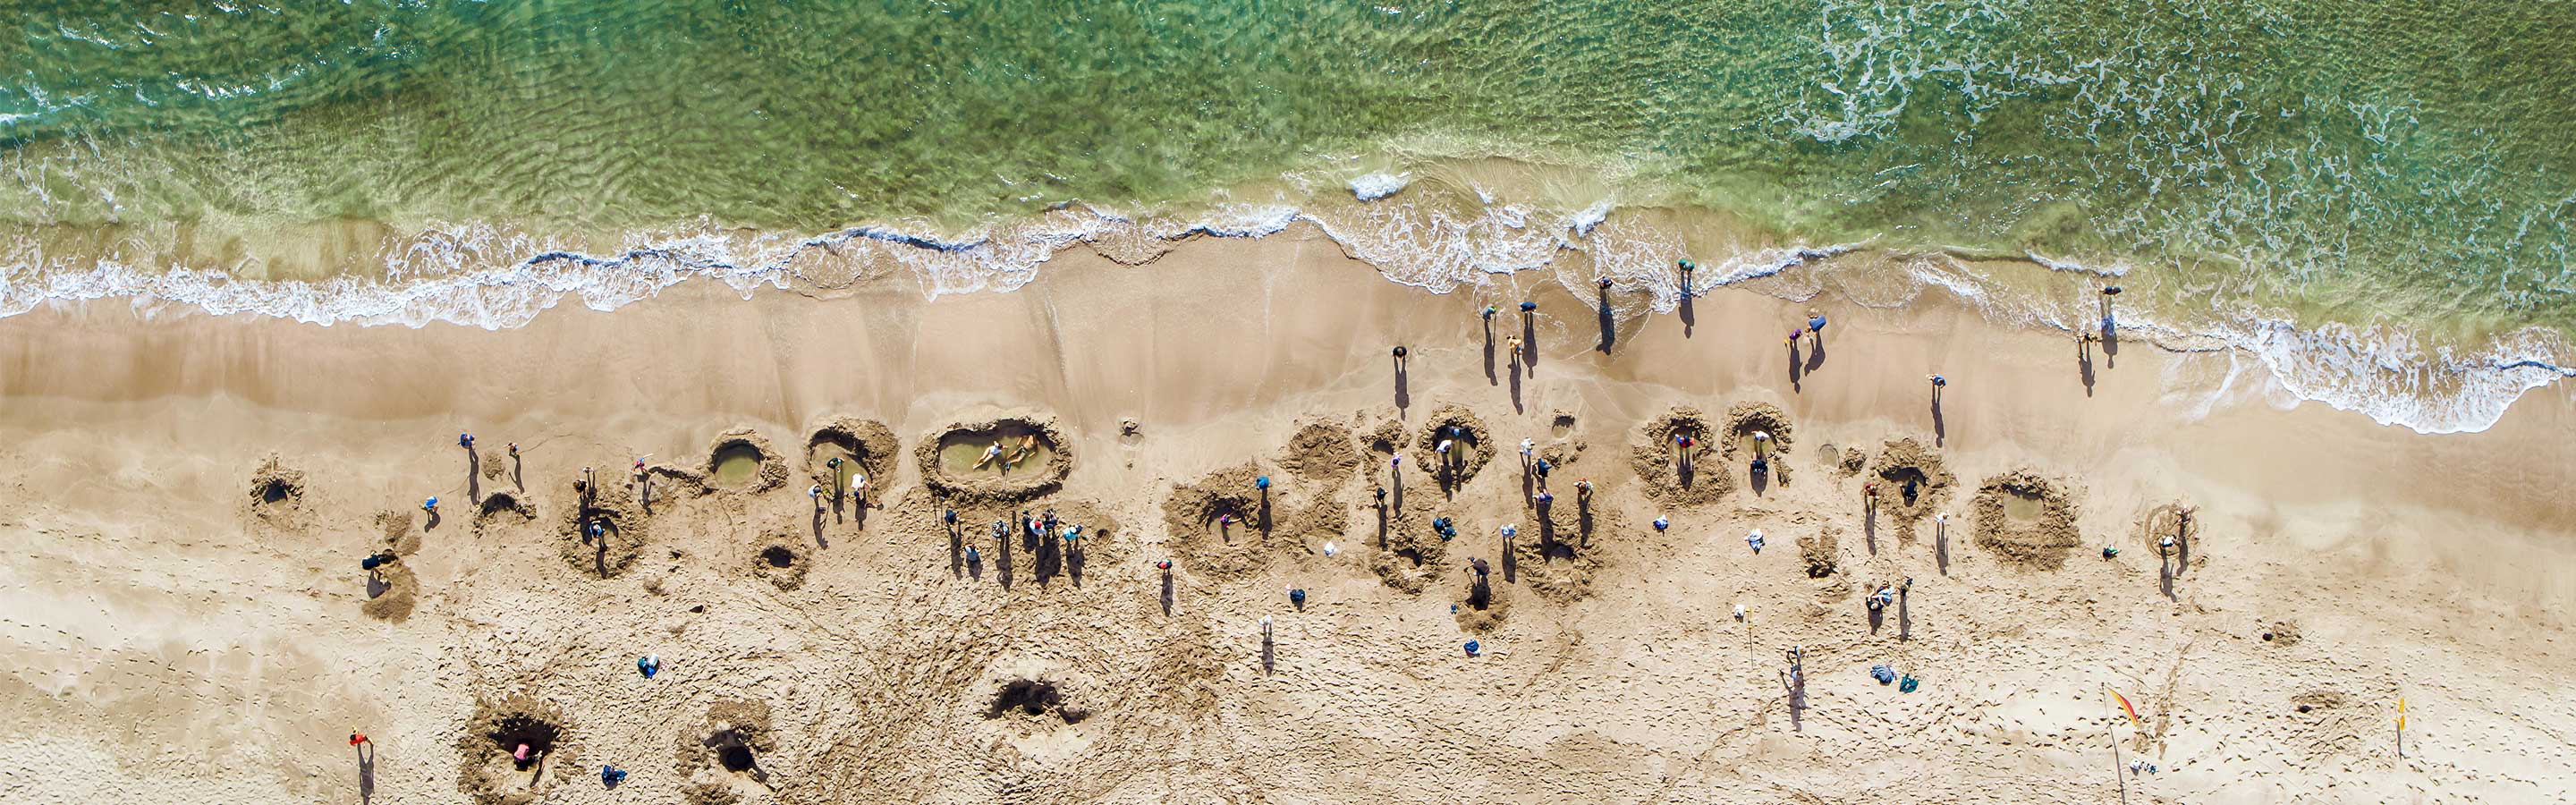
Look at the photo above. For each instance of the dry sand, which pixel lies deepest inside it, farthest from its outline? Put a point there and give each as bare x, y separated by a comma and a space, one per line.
186, 499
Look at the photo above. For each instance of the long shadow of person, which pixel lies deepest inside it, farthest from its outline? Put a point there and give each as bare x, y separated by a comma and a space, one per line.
1517, 406
1904, 617
1941, 546
2110, 342
1403, 395
1689, 315
2084, 364
1529, 343
1491, 379
1940, 426
1797, 369
473, 477
366, 772
1816, 354
1609, 323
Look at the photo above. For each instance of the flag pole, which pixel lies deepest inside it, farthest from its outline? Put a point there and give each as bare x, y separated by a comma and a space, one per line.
2111, 727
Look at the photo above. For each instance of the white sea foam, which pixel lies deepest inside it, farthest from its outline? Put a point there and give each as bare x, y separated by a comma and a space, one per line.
495, 278
1380, 185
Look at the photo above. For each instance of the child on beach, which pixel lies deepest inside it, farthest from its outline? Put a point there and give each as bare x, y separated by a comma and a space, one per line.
1754, 539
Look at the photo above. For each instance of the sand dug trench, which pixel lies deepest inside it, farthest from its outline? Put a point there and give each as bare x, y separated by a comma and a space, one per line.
2027, 520
276, 491
958, 461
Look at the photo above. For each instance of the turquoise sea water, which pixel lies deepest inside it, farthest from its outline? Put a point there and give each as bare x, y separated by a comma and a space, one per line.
2322, 165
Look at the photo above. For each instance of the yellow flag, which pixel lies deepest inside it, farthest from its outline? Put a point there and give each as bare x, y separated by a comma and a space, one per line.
2401, 712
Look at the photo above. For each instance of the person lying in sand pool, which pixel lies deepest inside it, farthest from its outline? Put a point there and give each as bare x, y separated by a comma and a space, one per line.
991, 453
1028, 446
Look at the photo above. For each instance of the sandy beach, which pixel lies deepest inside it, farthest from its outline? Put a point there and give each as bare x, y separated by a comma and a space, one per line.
188, 499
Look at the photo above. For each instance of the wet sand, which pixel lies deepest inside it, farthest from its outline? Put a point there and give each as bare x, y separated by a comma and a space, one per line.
180, 629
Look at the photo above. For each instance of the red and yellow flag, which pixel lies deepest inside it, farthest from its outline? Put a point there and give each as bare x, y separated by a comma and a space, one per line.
2125, 706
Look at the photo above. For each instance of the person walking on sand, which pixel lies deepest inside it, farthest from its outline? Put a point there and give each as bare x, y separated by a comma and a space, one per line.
1529, 308
430, 505
1816, 323
514, 451
1662, 523
859, 488
1399, 356
1489, 312
1512, 350
465, 440
1527, 447
1754, 539
1687, 267
356, 738
1869, 498
1583, 491
815, 492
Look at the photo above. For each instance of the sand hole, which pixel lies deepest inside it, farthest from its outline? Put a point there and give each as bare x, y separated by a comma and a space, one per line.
1911, 483
276, 491
1484, 601
778, 556
1673, 475
504, 505
520, 729
1746, 419
860, 445
2027, 520
1034, 698
1470, 445
602, 541
1001, 459
1562, 426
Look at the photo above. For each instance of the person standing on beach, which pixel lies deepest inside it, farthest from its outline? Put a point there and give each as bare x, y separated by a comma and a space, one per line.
1682, 443
1687, 267
1399, 357
1938, 382
465, 440
1816, 323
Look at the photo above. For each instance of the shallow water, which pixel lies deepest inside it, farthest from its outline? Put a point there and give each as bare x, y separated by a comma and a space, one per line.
736, 465
961, 453
2371, 200
2024, 507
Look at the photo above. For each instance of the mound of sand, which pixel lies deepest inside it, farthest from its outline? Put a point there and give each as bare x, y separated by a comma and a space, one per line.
1321, 451
1657, 460
1819, 553
2027, 520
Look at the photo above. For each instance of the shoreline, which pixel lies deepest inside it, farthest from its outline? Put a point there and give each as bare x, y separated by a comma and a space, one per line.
2398, 375
130, 436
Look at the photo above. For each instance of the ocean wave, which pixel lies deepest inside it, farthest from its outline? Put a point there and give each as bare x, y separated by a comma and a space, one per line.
1380, 185
483, 276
